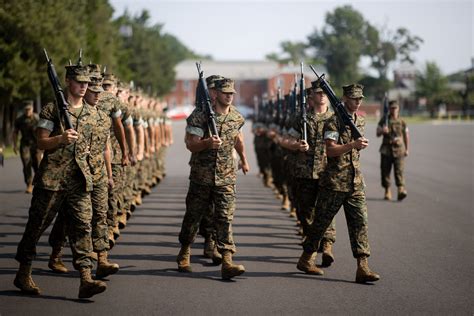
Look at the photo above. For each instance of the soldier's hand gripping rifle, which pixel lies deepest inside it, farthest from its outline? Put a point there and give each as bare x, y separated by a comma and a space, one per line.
385, 110
206, 102
337, 105
303, 106
58, 92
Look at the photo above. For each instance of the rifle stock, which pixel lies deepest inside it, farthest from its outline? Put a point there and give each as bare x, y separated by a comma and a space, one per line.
58, 92
337, 105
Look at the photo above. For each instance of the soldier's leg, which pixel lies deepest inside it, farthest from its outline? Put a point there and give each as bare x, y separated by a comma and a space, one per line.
198, 200
57, 240
26, 159
355, 209
385, 168
306, 197
224, 207
44, 206
398, 164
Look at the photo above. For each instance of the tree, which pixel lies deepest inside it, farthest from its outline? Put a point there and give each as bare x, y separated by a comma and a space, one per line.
292, 52
432, 85
341, 43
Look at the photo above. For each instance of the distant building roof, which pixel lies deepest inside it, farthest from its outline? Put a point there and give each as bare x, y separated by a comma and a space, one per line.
239, 70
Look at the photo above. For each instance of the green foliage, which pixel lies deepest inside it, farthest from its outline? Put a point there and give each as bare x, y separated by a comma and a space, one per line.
432, 85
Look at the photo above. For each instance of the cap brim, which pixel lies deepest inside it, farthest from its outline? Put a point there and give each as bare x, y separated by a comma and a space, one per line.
228, 90
96, 89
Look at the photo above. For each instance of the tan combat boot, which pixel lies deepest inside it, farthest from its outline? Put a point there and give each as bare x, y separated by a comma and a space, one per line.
122, 220
184, 259
230, 270
293, 212
209, 246
402, 193
363, 273
111, 238
388, 194
29, 188
24, 281
216, 257
138, 199
328, 257
104, 267
285, 204
89, 287
55, 263
306, 264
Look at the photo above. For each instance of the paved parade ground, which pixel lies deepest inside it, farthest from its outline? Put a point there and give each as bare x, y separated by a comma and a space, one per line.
423, 248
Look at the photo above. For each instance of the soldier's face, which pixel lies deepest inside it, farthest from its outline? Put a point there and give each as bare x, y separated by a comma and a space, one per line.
212, 94
225, 99
394, 111
29, 112
76, 88
352, 104
92, 97
320, 98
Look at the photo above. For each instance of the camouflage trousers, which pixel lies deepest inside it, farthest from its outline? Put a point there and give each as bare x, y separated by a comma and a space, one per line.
355, 209
30, 158
115, 196
306, 193
206, 227
198, 202
100, 239
45, 204
386, 163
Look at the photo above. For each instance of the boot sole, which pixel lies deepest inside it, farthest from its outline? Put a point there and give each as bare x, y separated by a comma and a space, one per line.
363, 281
185, 269
89, 295
228, 277
103, 275
327, 260
310, 272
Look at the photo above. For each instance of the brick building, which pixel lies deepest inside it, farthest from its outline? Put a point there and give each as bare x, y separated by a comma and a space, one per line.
252, 78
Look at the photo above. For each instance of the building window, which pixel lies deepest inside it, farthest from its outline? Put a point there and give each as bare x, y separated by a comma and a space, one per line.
186, 85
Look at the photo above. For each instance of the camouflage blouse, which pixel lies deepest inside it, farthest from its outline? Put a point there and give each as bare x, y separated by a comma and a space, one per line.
100, 137
27, 127
343, 172
393, 144
311, 164
62, 164
210, 166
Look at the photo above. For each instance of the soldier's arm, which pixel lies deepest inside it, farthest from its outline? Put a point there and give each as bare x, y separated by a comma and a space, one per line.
15, 140
108, 165
120, 135
406, 139
195, 143
240, 149
45, 142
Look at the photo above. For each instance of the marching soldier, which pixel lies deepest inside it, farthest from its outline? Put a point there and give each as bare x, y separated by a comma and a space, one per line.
310, 163
63, 179
342, 184
393, 150
30, 155
213, 178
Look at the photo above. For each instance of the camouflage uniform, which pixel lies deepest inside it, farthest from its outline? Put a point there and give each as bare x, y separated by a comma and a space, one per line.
64, 178
28, 149
308, 168
212, 179
342, 184
392, 151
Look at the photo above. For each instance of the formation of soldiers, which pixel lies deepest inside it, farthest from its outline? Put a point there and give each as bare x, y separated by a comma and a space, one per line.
314, 177
93, 175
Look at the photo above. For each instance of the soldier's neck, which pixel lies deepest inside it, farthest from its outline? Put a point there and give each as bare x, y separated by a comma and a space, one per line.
74, 102
322, 108
222, 109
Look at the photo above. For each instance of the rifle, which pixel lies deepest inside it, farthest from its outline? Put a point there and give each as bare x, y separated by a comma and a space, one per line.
385, 110
206, 102
1, 157
303, 105
339, 109
58, 92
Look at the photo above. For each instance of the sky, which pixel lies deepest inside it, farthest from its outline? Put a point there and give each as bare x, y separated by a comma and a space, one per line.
249, 30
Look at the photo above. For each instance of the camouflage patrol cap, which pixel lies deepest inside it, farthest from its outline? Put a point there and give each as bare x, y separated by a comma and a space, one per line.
78, 73
225, 85
353, 91
95, 73
393, 104
109, 78
95, 86
211, 81
122, 86
315, 85
28, 104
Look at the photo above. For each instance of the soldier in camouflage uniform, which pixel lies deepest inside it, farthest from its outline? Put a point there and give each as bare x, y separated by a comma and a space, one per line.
64, 178
310, 162
206, 228
393, 150
342, 184
101, 170
213, 178
30, 155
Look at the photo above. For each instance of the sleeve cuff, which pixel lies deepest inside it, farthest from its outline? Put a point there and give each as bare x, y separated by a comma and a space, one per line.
195, 131
46, 124
117, 113
333, 135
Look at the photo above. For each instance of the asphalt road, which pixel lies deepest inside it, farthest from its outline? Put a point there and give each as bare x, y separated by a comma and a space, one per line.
423, 248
